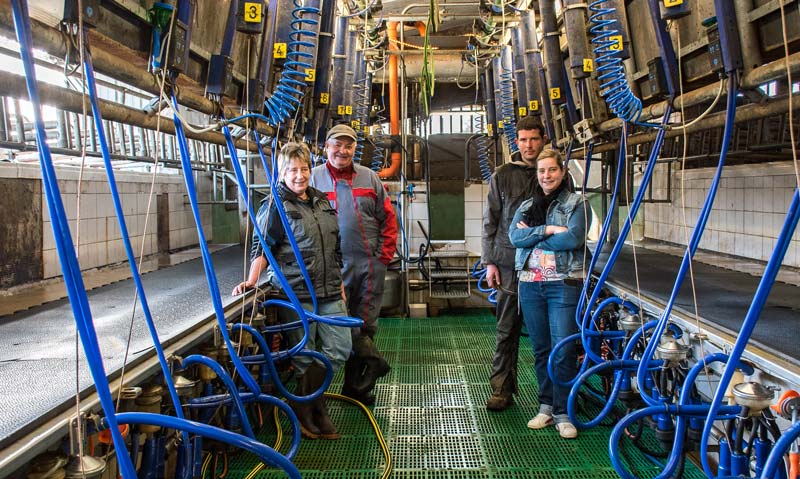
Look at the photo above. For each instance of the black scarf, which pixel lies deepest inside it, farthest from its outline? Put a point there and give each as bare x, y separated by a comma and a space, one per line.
537, 213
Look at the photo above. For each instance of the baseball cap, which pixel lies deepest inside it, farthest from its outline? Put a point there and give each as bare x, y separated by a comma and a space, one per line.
340, 131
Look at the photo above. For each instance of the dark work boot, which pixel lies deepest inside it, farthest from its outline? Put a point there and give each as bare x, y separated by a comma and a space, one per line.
304, 410
315, 375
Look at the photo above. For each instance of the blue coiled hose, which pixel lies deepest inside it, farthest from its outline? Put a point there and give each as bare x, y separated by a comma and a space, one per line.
361, 100
482, 146
614, 86
289, 91
506, 76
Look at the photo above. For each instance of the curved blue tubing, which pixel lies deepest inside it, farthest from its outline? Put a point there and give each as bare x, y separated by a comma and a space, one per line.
233, 391
692, 410
749, 323
601, 241
126, 241
264, 452
66, 251
614, 86
779, 449
681, 424
281, 213
584, 374
697, 233
286, 98
269, 359
626, 226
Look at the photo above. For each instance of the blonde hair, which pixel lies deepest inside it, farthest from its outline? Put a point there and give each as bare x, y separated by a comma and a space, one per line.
551, 153
291, 152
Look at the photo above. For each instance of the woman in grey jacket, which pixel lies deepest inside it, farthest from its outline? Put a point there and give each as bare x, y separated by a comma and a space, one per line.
314, 225
549, 232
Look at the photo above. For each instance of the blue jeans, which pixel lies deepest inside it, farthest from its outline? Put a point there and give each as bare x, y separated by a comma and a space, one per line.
334, 342
548, 309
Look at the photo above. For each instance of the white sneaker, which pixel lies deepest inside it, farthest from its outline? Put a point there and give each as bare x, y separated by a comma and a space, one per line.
541, 421
567, 430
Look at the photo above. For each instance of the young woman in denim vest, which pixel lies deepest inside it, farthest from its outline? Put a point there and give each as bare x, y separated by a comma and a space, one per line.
549, 232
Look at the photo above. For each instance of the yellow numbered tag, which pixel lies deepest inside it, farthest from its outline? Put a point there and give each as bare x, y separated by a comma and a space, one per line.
279, 50
533, 105
348, 110
489, 129
252, 12
617, 45
356, 125
499, 124
340, 109
588, 65
555, 93
522, 111
672, 3
311, 74
324, 98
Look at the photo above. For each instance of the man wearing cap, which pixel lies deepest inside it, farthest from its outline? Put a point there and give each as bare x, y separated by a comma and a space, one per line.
368, 229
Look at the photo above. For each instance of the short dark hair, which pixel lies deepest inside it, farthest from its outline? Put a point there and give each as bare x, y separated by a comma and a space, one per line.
530, 123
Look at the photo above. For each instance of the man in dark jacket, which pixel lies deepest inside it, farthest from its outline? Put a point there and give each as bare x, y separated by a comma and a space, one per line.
511, 184
368, 227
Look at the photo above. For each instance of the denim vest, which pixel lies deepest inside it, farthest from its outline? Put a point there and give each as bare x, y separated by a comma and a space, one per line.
566, 210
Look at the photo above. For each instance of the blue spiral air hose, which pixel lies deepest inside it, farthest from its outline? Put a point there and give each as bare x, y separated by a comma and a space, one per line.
614, 86
289, 91
506, 76
482, 146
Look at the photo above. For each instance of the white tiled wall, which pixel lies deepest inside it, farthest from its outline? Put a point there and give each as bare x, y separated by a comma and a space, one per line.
748, 212
100, 237
474, 200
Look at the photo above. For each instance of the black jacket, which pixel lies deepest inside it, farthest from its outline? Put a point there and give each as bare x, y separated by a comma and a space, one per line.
511, 184
316, 230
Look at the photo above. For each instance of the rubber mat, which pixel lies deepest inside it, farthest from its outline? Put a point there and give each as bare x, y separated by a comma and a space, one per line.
431, 411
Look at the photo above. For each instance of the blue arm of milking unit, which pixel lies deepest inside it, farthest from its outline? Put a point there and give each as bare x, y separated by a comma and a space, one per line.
668, 57
343, 321
264, 452
269, 359
750, 320
211, 278
126, 241
66, 251
226, 379
626, 226
619, 430
779, 450
592, 324
580, 314
697, 233
284, 220
230, 29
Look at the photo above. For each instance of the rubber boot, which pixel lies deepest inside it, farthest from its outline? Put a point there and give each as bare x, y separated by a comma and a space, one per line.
305, 410
315, 376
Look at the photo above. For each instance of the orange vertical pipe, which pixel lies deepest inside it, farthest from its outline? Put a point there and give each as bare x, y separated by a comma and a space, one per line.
394, 99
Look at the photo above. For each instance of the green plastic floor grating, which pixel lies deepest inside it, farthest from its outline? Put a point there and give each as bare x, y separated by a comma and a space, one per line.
431, 410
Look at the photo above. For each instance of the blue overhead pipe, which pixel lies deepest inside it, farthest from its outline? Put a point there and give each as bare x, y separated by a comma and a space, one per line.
746, 330
126, 241
697, 233
63, 239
